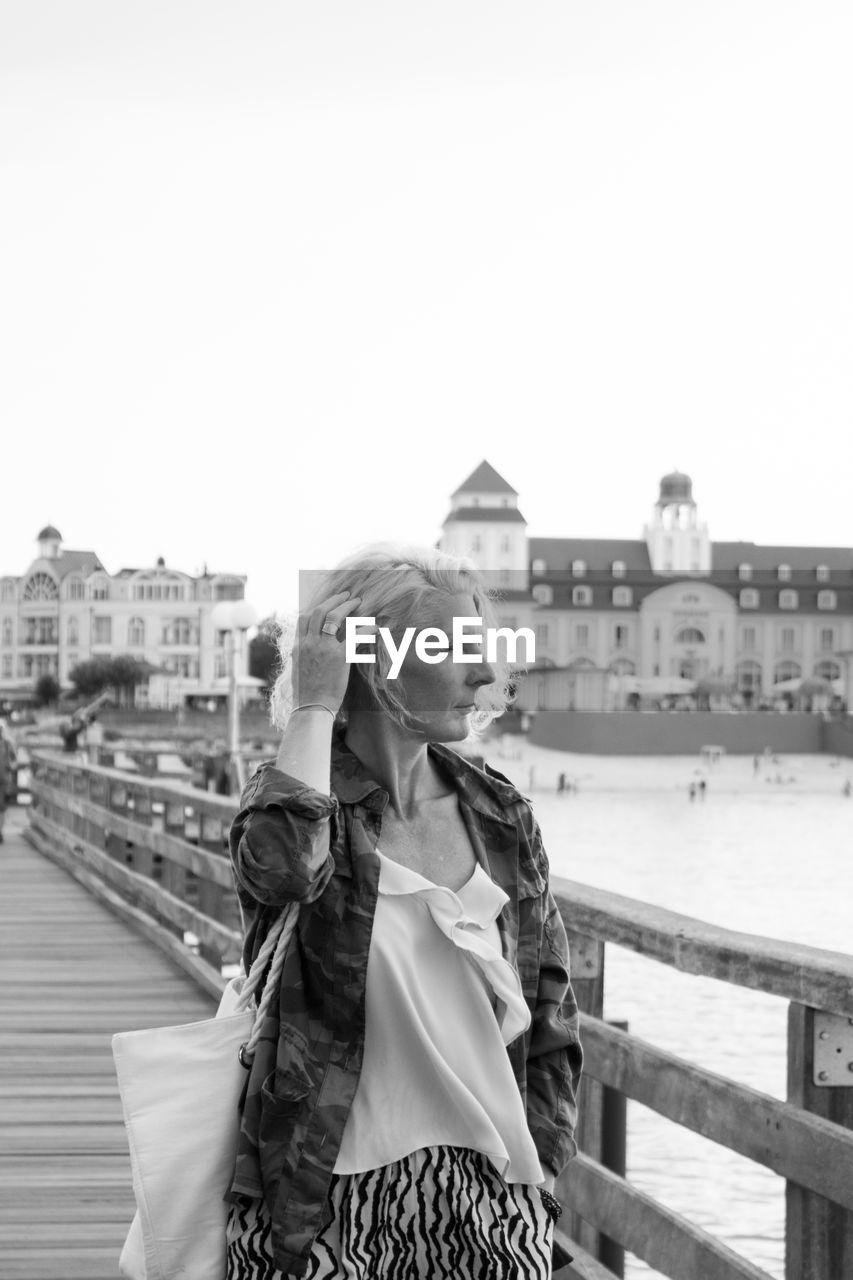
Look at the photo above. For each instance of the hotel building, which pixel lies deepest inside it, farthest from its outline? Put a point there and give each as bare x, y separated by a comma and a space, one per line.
615, 617
67, 609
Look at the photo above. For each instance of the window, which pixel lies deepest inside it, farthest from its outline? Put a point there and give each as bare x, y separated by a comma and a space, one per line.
40, 586
827, 639
786, 639
220, 666
7, 592
76, 590
541, 635
183, 665
657, 635
826, 600
7, 666
582, 636
7, 633
786, 671
621, 636
581, 595
822, 573
744, 572
619, 568
102, 631
690, 635
539, 566
828, 670
579, 568
543, 594
180, 631
40, 631
748, 676
136, 633
622, 596
505, 545
72, 632
788, 599
748, 598
784, 573
747, 638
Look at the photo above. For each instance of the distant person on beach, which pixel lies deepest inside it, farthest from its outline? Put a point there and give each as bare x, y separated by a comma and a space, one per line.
847, 788
8, 760
703, 786
413, 1096
691, 791
561, 784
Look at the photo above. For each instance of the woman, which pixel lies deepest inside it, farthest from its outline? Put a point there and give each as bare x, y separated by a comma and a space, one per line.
412, 1098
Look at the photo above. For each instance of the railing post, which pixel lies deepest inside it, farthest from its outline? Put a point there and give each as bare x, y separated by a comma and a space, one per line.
614, 1155
818, 1234
587, 965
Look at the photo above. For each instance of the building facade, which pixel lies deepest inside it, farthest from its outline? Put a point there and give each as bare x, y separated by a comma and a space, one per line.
657, 614
66, 609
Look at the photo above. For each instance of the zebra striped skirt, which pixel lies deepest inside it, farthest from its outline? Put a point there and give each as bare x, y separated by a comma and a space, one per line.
439, 1212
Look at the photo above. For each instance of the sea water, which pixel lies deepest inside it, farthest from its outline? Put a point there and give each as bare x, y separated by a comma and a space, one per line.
769, 851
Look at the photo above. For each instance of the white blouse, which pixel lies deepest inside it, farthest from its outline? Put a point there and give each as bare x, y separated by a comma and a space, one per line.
436, 1071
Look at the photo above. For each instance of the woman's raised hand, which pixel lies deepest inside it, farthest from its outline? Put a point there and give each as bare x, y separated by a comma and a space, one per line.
320, 670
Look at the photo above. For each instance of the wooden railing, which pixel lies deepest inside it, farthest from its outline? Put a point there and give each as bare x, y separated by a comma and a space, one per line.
157, 854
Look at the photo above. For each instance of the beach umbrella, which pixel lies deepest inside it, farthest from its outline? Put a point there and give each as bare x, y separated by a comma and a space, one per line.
815, 687
788, 686
715, 685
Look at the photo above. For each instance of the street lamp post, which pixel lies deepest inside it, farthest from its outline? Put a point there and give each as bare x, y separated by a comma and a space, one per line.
234, 617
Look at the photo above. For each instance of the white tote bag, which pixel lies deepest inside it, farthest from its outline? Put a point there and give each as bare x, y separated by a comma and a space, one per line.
180, 1090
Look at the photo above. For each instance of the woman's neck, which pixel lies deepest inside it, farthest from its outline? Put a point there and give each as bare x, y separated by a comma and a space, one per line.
395, 757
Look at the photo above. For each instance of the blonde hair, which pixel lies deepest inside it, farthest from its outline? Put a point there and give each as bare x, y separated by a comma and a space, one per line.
393, 582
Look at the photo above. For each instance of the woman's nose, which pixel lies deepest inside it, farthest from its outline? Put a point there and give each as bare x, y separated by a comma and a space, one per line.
483, 673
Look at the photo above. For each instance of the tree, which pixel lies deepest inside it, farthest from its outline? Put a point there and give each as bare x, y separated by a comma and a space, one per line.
47, 690
91, 678
121, 673
263, 652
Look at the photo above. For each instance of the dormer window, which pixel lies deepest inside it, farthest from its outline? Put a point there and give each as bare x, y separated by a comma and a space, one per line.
618, 568
578, 568
826, 600
582, 595
788, 599
622, 596
784, 573
748, 598
543, 594
822, 573
539, 566
744, 572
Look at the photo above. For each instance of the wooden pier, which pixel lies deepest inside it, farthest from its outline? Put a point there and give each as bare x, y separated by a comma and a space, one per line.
73, 974
84, 960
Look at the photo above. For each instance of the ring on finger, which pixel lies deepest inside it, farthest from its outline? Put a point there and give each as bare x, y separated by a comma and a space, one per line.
330, 628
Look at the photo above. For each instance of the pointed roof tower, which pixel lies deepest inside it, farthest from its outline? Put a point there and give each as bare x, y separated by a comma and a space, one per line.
484, 479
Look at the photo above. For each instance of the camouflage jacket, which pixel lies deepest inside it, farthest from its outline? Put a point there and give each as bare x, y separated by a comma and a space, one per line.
307, 1064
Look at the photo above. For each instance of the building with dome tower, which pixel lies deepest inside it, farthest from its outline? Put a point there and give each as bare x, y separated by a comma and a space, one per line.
621, 619
66, 608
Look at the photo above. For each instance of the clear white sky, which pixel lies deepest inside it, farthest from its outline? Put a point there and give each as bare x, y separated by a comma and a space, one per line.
276, 276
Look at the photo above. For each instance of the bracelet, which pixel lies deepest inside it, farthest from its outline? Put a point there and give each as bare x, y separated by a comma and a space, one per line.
303, 705
551, 1203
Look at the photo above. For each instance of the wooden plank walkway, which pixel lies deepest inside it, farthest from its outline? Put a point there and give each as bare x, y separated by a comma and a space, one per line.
71, 975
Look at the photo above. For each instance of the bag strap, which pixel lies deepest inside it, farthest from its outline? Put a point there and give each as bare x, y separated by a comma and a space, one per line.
274, 945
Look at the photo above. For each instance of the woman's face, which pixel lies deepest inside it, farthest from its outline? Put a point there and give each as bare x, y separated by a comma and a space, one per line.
440, 696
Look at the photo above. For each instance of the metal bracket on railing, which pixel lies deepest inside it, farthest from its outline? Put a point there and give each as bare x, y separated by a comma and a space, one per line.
833, 1049
585, 955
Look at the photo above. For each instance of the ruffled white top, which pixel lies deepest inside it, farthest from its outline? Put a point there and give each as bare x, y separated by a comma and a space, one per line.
436, 1071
